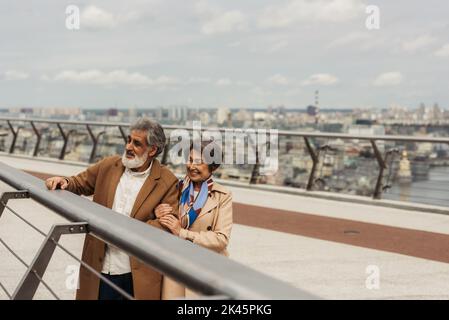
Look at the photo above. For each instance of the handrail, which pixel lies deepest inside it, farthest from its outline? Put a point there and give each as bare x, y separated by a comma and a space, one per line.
190, 264
313, 149
280, 132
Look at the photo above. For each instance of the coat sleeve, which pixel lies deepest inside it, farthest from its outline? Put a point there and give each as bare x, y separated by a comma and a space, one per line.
218, 238
84, 183
170, 197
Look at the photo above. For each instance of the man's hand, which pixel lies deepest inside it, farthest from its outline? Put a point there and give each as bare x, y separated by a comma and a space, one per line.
53, 183
162, 210
172, 223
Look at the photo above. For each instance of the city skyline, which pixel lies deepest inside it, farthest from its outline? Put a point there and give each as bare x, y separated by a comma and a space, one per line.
209, 54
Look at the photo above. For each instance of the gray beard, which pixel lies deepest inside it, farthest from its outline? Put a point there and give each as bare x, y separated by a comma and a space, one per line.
134, 163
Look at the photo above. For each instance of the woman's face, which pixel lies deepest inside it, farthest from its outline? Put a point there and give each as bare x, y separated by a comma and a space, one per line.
197, 170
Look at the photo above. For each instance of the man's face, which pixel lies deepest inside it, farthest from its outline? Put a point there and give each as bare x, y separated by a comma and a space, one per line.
136, 145
137, 151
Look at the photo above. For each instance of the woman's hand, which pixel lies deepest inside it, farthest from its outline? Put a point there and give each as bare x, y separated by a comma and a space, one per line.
162, 210
172, 223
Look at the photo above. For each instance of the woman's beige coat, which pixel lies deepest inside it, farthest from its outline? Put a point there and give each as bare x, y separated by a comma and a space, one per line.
211, 229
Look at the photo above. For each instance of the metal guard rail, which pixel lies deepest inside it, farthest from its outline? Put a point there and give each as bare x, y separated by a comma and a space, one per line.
190, 264
280, 132
312, 150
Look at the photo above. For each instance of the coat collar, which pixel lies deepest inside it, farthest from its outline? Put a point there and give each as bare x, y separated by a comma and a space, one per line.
148, 186
115, 176
212, 200
219, 188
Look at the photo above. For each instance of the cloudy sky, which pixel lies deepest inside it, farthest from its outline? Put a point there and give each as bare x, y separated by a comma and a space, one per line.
235, 53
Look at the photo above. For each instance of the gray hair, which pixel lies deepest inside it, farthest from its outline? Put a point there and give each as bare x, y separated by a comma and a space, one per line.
155, 132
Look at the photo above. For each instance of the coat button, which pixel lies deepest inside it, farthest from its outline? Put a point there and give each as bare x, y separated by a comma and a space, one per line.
209, 228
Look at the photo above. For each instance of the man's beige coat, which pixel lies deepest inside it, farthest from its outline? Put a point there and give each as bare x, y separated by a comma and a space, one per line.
101, 180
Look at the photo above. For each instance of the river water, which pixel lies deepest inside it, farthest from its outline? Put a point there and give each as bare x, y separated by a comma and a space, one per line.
434, 190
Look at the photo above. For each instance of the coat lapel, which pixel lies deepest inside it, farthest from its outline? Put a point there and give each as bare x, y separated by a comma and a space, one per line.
210, 204
115, 176
212, 201
148, 186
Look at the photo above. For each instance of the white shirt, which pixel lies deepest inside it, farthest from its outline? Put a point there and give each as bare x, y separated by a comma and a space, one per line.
116, 261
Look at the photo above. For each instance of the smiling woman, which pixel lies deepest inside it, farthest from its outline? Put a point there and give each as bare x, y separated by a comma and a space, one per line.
205, 212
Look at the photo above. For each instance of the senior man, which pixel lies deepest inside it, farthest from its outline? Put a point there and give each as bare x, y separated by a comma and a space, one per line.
133, 184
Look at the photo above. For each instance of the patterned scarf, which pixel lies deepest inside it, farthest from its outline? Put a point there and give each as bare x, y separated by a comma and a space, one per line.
189, 206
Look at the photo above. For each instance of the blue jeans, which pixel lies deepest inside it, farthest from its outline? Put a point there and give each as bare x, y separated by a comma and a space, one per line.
123, 281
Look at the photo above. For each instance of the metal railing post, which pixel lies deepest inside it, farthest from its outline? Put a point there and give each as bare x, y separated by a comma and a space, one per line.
64, 137
6, 196
315, 161
123, 134
14, 136
256, 167
255, 171
32, 278
165, 152
94, 142
389, 154
38, 139
382, 166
